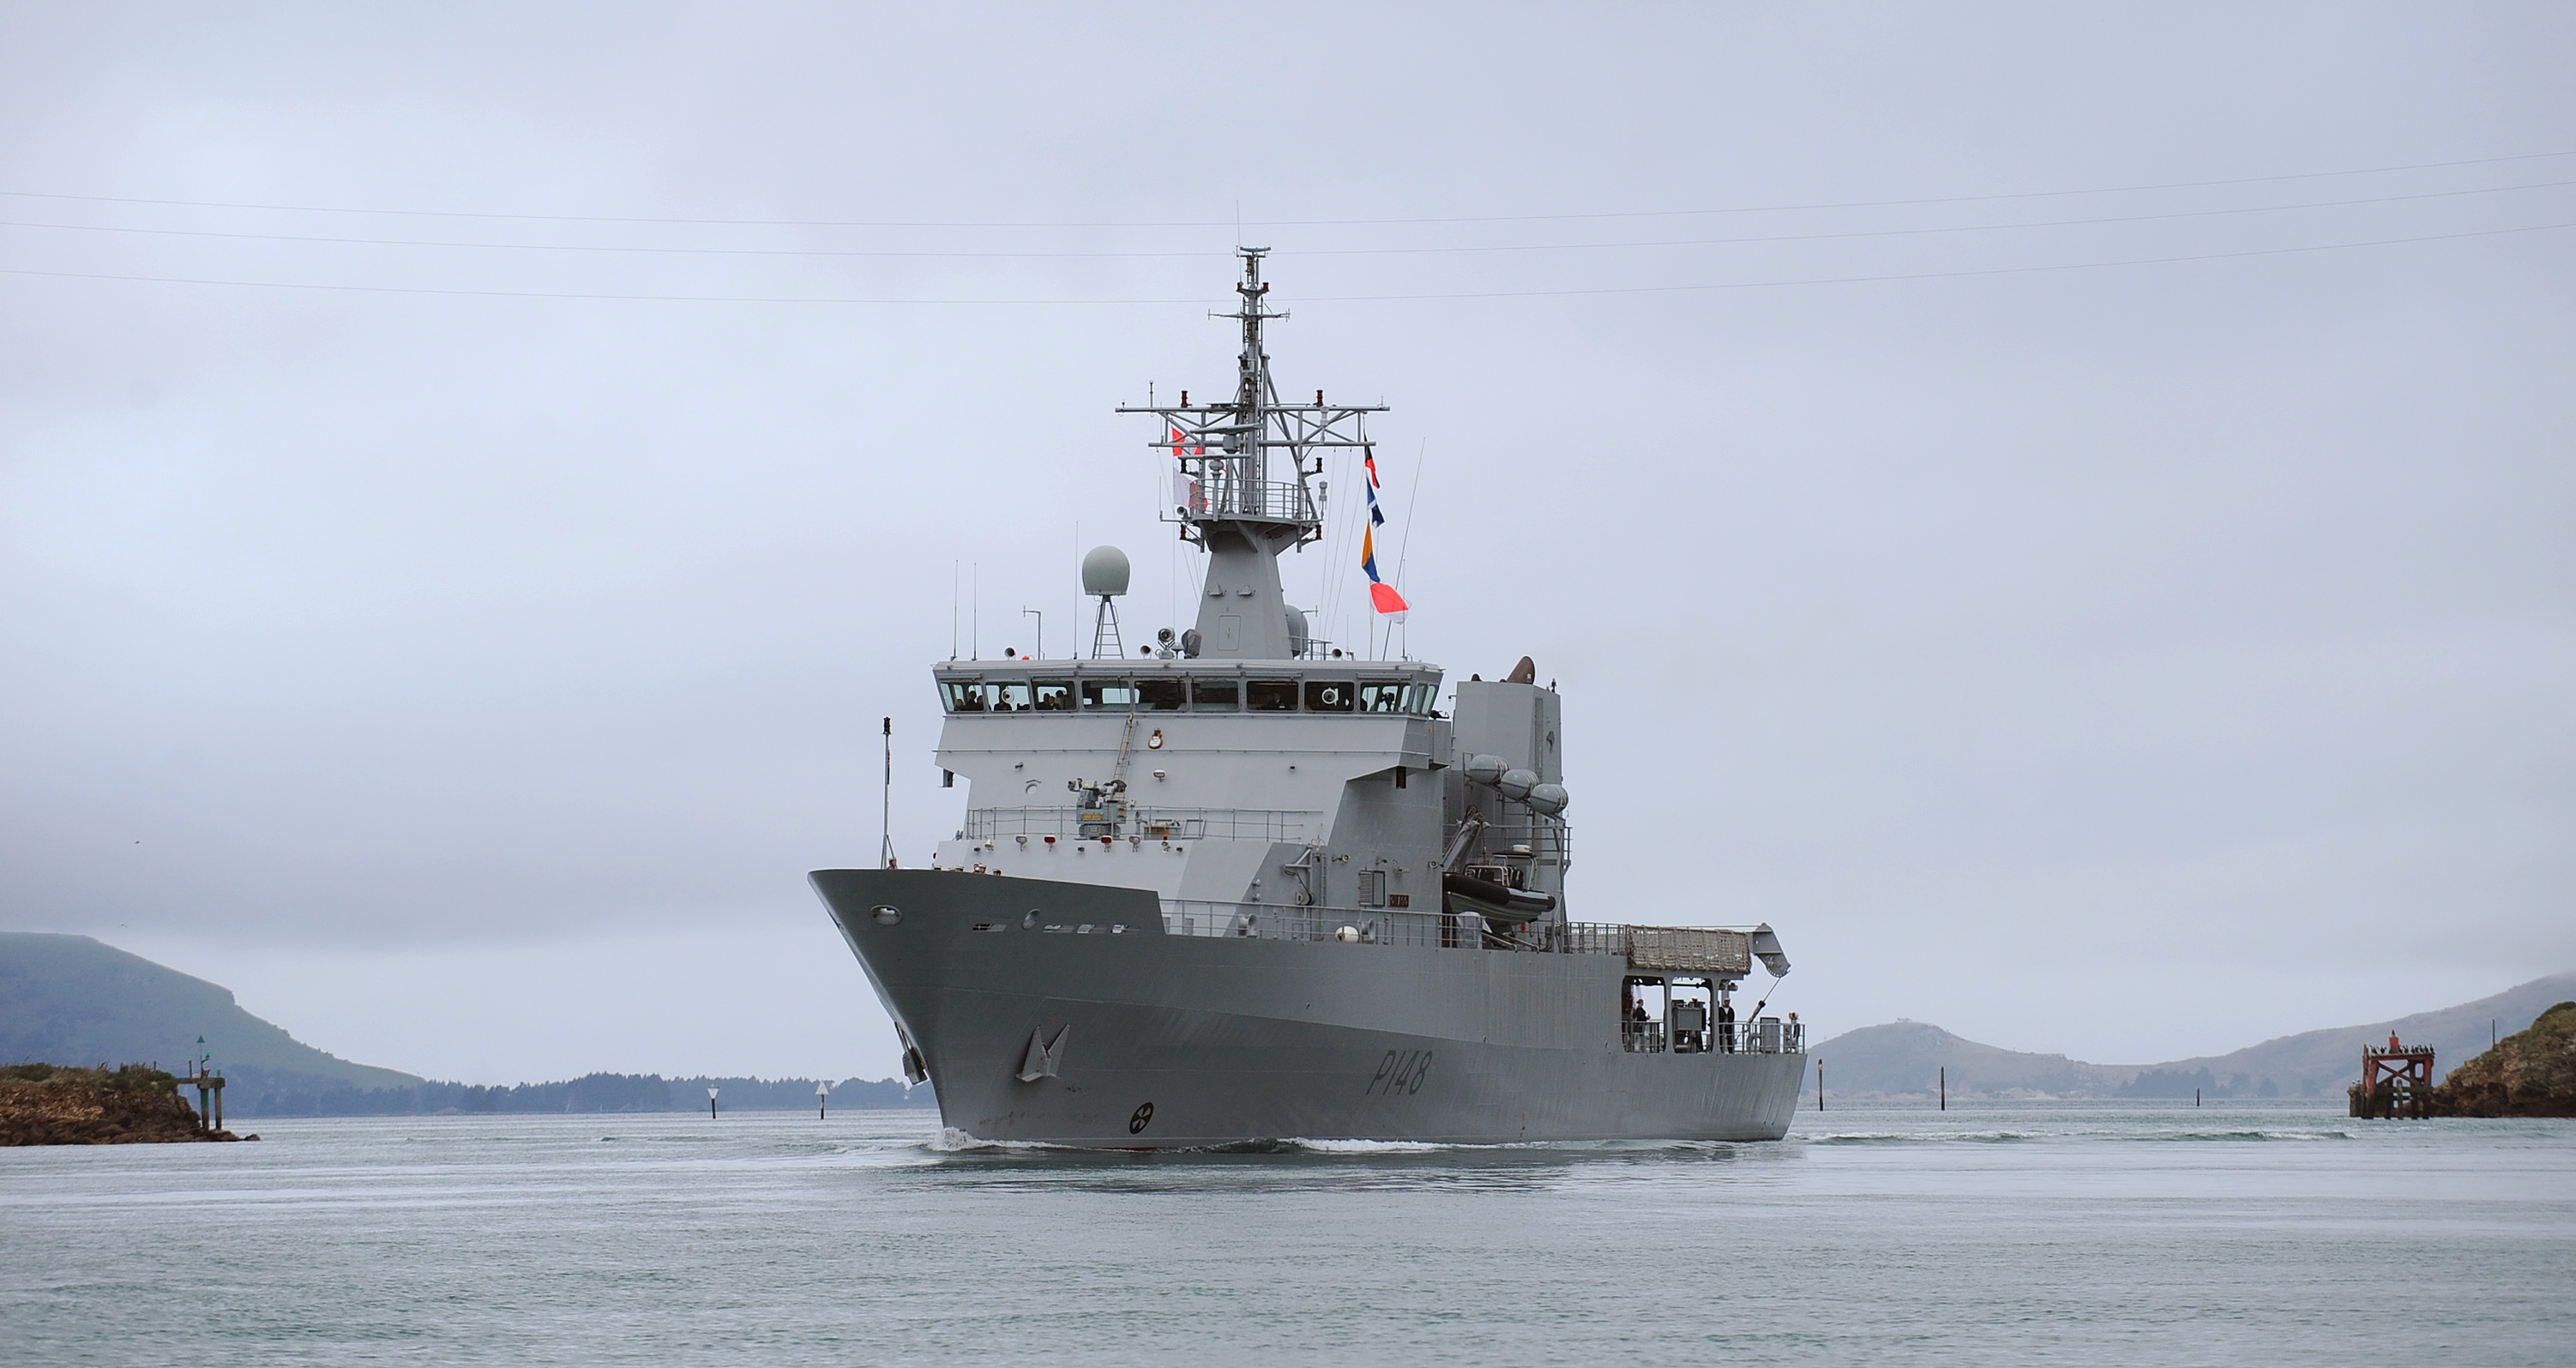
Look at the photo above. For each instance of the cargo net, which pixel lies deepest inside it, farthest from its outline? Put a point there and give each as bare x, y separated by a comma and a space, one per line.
1687, 949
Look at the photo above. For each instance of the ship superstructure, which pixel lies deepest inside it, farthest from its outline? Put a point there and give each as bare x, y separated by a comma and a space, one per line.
1247, 886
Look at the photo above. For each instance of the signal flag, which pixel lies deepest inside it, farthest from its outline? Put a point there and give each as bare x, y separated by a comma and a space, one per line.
1382, 595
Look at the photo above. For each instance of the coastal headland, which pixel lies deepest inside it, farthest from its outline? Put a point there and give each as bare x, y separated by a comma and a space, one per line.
53, 1104
2529, 1073
65, 997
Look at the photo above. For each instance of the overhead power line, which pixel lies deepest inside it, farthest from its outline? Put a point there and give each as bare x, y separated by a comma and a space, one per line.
1282, 223
1195, 300
826, 252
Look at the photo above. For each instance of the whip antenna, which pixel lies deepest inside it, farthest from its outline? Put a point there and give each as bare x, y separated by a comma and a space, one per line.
885, 807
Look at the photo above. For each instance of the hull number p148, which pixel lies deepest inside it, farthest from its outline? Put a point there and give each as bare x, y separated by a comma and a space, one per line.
1400, 1072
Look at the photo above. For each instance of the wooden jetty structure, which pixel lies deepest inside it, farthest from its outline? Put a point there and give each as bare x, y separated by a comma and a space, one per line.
209, 1084
210, 1094
2395, 1082
210, 1099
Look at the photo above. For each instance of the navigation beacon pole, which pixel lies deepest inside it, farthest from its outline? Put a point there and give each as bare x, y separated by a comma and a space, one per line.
885, 803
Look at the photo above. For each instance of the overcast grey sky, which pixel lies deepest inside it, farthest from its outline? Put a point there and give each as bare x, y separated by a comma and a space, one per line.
2088, 555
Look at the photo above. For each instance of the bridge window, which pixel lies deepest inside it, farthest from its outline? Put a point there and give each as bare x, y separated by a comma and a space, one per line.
1158, 695
1330, 695
1009, 695
1382, 695
1424, 697
1107, 694
1055, 695
963, 695
1271, 695
1216, 695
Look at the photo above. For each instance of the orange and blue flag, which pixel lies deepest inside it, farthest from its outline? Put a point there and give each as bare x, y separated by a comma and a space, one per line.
1382, 595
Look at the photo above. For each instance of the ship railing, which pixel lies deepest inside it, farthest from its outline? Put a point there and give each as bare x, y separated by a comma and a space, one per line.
1349, 925
1549, 842
1282, 921
1167, 824
1689, 951
1763, 1035
1221, 497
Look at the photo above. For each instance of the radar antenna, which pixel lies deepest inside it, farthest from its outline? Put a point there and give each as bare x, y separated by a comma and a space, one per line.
1104, 577
1226, 496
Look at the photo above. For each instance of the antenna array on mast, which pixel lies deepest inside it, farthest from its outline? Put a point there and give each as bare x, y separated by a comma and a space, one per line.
1224, 450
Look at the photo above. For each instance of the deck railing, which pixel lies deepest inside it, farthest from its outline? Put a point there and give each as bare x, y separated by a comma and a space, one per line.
1763, 1035
1358, 926
1221, 497
1549, 842
1685, 950
1148, 823
1349, 925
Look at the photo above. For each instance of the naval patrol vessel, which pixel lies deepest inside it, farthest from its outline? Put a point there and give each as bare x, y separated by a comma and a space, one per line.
1246, 886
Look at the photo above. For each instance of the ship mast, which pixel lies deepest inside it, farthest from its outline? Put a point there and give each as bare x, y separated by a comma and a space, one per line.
1224, 497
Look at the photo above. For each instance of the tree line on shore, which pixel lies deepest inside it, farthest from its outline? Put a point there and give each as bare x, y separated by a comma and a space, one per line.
263, 1092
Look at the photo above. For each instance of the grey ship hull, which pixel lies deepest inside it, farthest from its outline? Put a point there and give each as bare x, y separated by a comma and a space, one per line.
1171, 1041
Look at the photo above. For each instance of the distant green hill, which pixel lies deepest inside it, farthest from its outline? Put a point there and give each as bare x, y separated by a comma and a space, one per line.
1905, 1059
72, 1000
2320, 1063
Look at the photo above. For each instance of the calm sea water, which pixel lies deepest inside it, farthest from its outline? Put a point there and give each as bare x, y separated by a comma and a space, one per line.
2056, 1234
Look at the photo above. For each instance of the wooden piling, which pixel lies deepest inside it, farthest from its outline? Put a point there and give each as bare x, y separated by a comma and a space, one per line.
2395, 1082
